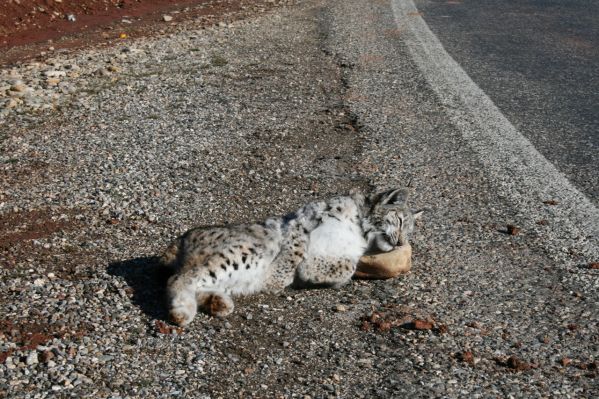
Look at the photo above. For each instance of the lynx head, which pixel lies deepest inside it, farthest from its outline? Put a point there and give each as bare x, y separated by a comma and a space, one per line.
390, 220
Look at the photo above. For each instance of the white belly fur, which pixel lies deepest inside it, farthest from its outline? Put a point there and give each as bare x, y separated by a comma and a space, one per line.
337, 239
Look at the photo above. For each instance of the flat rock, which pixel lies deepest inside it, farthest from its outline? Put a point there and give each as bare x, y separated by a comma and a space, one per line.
385, 265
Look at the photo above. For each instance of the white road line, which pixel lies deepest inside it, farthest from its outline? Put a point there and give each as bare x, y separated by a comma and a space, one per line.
522, 173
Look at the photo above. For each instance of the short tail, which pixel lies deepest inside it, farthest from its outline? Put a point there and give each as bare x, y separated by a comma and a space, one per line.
171, 257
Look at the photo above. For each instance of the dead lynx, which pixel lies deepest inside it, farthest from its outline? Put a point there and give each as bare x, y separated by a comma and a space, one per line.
320, 244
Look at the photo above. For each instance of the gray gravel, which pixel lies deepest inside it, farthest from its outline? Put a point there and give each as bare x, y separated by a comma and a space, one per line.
251, 119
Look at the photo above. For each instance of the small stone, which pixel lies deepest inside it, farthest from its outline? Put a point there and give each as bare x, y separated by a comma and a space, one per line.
340, 308
39, 282
18, 87
55, 74
46, 356
329, 387
32, 359
71, 18
512, 230
11, 103
167, 18
514, 363
466, 357
594, 265
422, 325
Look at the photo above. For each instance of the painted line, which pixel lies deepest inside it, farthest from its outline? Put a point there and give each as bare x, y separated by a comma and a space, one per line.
523, 174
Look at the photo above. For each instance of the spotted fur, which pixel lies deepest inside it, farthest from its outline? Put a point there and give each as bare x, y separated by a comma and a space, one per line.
319, 244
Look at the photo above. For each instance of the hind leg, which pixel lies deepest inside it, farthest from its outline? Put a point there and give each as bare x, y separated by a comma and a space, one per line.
334, 272
184, 302
182, 299
216, 304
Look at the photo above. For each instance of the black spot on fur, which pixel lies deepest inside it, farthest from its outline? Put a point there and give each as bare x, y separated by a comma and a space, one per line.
236, 266
244, 258
223, 267
252, 250
212, 274
306, 231
247, 266
339, 209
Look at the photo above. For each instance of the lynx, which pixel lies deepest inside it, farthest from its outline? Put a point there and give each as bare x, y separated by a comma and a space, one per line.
318, 245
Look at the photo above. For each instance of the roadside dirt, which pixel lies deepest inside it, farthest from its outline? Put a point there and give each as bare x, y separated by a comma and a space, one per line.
33, 28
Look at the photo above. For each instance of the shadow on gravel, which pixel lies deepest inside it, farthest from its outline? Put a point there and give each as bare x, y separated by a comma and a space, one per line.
147, 277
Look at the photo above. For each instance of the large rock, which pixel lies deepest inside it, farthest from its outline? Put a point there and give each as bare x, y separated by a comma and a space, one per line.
385, 265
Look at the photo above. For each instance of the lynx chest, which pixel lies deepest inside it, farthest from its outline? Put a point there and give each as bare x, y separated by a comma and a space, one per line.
336, 238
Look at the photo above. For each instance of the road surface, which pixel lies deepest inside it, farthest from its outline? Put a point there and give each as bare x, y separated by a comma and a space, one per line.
537, 61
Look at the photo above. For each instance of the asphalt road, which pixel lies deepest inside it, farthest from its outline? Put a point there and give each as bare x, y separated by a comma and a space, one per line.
537, 61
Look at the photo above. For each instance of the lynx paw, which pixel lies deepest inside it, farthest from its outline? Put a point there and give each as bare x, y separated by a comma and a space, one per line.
181, 315
183, 305
219, 305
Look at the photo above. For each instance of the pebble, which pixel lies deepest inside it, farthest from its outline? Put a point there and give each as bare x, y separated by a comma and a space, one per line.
12, 103
32, 359
55, 74
18, 86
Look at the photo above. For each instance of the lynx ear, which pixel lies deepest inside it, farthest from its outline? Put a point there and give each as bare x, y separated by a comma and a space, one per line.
396, 197
357, 196
418, 214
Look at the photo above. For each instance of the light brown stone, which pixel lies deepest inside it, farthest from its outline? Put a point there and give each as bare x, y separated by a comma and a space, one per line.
385, 265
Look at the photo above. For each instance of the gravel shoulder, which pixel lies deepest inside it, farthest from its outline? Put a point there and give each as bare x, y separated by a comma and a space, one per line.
235, 123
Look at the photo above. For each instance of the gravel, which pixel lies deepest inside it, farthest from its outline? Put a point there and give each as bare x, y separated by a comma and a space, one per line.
235, 123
